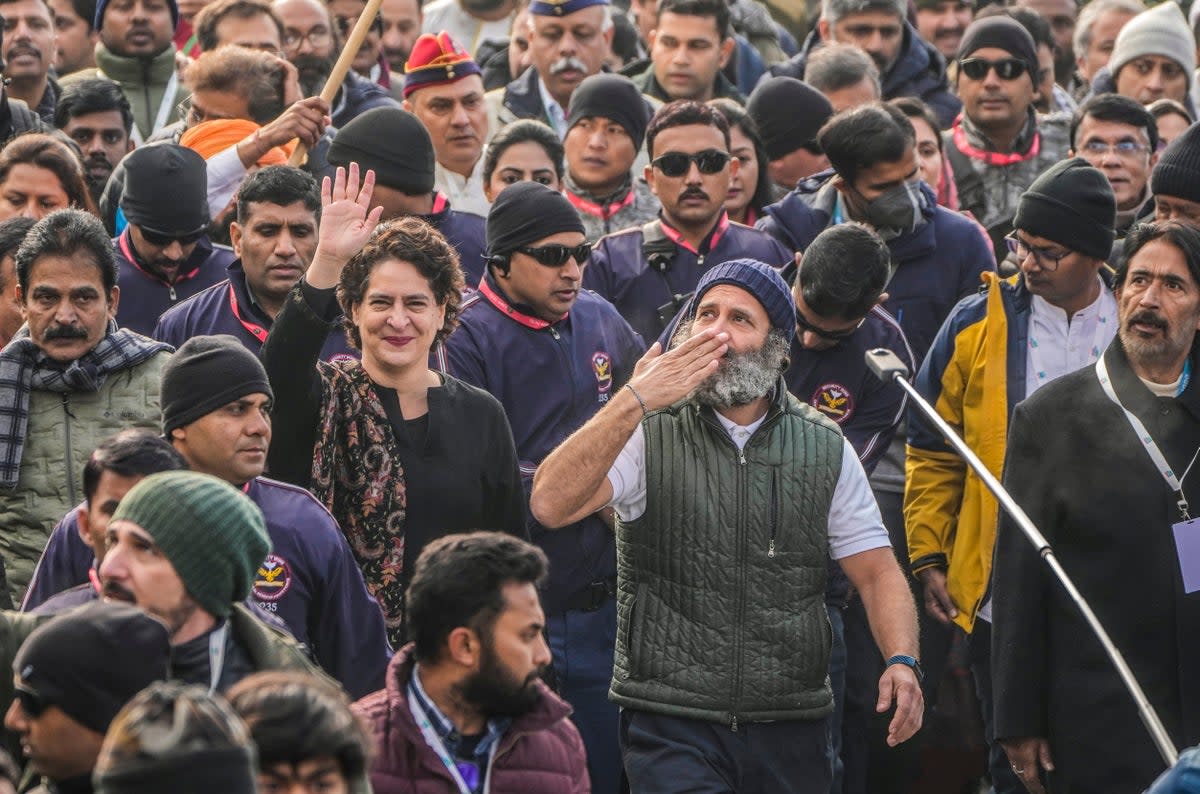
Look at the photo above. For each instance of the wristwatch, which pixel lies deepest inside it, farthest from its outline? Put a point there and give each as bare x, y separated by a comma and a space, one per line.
909, 661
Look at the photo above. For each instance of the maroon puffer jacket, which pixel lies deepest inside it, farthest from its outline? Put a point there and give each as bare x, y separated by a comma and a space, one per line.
540, 752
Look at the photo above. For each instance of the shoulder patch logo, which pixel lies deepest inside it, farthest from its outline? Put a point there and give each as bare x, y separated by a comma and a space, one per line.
273, 578
835, 401
602, 366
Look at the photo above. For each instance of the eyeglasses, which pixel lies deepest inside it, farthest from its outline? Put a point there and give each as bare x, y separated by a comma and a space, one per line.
830, 336
1006, 68
1022, 250
316, 38
709, 161
1124, 148
163, 240
555, 255
31, 702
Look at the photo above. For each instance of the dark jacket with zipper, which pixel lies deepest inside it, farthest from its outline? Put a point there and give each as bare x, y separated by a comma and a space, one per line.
551, 378
721, 582
146, 295
540, 753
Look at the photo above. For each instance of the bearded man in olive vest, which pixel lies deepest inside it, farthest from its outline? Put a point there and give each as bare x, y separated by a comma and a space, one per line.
730, 496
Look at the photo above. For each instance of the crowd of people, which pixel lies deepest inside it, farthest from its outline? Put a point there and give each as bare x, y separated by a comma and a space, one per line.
504, 423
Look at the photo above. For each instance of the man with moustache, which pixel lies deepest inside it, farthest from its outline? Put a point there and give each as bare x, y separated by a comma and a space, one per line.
443, 88
647, 272
96, 115
164, 253
68, 379
464, 707
711, 465
29, 50
943, 22
312, 44
137, 52
1116, 506
568, 41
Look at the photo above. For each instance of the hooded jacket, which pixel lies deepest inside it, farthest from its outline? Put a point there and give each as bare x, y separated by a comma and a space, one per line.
919, 71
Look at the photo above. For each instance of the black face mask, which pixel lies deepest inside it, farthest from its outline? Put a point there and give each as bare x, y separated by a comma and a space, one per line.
897, 211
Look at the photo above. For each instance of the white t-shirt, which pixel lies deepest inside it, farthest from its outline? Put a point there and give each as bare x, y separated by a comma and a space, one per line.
854, 522
467, 31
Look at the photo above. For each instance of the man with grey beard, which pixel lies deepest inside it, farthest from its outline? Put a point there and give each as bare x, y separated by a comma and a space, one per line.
1102, 461
730, 494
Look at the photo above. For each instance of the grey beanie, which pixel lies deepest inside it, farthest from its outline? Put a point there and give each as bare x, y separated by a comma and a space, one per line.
1161, 30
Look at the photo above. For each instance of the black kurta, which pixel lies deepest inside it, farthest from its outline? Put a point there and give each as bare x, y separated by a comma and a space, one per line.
1078, 469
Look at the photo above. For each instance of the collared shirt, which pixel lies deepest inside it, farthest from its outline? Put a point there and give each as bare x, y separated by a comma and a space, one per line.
854, 522
465, 192
1057, 346
466, 30
453, 740
554, 111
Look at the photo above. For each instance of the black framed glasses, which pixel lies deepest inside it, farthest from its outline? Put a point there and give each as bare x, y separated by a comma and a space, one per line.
804, 326
674, 164
1046, 260
1006, 68
163, 240
555, 255
31, 702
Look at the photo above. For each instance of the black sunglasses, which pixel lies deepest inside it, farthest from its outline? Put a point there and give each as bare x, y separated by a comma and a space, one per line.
162, 240
31, 702
709, 161
1006, 68
829, 336
555, 255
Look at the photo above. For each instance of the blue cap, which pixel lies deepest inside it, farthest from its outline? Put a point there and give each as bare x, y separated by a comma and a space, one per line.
760, 280
560, 8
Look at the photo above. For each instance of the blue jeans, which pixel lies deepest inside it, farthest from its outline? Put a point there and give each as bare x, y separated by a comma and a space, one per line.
582, 644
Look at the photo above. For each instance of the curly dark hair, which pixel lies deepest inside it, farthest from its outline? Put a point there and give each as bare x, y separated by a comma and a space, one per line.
409, 240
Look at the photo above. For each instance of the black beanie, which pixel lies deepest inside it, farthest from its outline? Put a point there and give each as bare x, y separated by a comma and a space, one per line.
205, 373
391, 142
1004, 33
525, 213
1073, 205
91, 661
1177, 172
102, 6
788, 114
616, 98
166, 189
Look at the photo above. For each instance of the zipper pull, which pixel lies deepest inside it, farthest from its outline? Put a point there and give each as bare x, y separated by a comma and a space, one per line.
771, 549
171, 291
742, 456
554, 333
700, 261
733, 725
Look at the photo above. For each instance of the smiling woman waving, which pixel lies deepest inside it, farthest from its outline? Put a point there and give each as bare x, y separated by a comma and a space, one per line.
399, 454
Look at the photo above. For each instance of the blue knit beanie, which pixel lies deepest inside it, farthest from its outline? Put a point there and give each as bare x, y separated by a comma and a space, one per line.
760, 280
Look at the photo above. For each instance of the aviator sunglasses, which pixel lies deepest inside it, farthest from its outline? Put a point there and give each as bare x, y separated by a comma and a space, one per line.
555, 255
674, 164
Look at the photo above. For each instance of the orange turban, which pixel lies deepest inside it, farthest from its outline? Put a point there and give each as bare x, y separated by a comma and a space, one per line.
211, 137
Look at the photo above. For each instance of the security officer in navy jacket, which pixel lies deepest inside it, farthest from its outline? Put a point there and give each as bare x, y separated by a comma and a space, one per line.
274, 237
215, 402
397, 147
164, 254
649, 272
553, 354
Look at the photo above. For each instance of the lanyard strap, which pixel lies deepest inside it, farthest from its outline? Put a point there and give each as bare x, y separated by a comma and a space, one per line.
1035, 355
255, 330
435, 743
164, 107
601, 211
216, 656
1147, 440
992, 158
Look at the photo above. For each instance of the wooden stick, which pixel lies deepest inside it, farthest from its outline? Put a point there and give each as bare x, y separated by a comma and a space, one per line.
349, 51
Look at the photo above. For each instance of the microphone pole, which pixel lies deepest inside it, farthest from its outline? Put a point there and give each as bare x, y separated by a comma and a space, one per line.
887, 366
